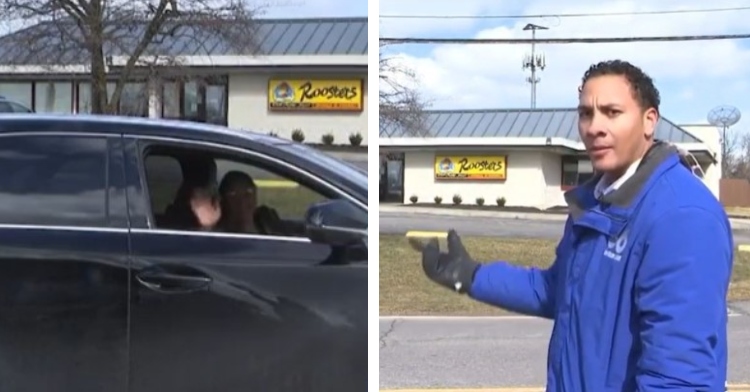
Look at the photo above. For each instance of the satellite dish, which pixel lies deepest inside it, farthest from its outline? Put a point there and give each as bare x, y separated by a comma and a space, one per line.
724, 116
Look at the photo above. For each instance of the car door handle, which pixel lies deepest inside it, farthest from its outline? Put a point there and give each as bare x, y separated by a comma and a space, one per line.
163, 280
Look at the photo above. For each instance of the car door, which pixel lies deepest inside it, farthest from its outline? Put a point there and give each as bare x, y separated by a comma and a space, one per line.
63, 263
214, 311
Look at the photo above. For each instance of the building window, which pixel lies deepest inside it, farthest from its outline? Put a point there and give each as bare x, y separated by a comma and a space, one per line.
170, 100
133, 99
53, 97
20, 92
196, 99
575, 171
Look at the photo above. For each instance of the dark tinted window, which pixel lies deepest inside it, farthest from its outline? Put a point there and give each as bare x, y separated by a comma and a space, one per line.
5, 107
53, 180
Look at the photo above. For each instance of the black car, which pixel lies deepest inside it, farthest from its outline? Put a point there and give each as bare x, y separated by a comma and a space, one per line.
99, 293
10, 106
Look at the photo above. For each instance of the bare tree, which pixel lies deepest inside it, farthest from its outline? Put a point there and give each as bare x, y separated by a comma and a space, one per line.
736, 164
149, 35
731, 145
401, 105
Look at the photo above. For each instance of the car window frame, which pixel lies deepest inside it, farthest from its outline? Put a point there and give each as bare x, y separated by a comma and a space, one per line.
108, 145
143, 142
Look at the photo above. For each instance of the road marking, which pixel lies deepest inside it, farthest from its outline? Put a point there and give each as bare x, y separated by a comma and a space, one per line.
460, 318
743, 248
730, 387
498, 389
427, 234
275, 184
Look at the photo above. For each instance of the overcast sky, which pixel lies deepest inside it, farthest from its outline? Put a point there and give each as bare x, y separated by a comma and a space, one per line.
316, 8
693, 77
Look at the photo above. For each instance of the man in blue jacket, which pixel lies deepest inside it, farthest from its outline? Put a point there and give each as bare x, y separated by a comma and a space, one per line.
638, 287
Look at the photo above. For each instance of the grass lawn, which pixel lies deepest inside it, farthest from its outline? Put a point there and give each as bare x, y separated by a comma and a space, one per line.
741, 212
405, 290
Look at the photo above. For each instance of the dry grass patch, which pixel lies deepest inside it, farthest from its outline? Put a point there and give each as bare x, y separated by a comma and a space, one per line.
740, 212
404, 290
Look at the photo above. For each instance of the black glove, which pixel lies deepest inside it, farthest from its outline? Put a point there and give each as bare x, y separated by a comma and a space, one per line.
454, 270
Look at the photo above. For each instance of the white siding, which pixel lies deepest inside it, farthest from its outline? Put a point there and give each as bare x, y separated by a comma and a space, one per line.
248, 108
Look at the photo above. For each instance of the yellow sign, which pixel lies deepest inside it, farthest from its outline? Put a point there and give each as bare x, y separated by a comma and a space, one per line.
470, 167
315, 94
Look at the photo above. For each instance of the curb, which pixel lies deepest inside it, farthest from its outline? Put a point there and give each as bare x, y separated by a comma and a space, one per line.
472, 213
729, 387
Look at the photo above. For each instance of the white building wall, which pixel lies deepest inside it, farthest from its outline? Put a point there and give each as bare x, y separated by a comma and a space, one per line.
554, 196
533, 180
248, 108
709, 135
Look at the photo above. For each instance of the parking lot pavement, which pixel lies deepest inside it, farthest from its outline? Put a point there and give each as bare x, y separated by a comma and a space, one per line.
500, 353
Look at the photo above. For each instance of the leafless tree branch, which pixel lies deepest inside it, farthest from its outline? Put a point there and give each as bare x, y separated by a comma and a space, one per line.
401, 106
736, 163
150, 35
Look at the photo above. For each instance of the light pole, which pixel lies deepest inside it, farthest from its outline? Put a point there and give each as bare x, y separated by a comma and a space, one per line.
534, 61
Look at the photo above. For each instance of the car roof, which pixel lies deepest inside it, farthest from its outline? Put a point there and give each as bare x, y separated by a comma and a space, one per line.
287, 150
94, 123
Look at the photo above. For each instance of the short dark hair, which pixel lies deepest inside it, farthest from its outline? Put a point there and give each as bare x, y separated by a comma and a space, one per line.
643, 87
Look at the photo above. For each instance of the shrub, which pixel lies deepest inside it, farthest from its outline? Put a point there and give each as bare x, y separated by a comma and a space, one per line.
327, 139
438, 199
480, 201
457, 199
355, 139
413, 199
500, 201
298, 136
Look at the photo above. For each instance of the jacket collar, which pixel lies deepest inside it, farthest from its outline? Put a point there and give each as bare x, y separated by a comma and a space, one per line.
618, 205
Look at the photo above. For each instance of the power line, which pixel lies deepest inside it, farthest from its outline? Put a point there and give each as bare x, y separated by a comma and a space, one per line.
568, 15
554, 41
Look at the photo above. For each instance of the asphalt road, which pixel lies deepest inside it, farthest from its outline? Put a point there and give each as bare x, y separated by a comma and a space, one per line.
393, 223
498, 352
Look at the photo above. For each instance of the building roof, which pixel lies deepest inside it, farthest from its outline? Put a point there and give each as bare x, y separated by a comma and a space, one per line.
307, 37
560, 123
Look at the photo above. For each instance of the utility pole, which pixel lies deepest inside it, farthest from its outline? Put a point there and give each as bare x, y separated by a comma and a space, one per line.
534, 61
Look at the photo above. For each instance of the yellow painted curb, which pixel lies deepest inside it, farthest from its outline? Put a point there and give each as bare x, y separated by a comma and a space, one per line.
427, 234
275, 184
743, 248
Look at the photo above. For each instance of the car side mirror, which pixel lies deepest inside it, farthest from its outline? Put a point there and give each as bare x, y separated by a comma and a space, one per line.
333, 222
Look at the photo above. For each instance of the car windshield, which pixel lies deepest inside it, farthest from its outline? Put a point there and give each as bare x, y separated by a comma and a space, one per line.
351, 172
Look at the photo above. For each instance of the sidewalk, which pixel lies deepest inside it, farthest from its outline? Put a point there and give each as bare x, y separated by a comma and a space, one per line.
409, 210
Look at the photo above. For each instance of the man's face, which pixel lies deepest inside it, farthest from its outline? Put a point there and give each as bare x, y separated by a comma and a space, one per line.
614, 128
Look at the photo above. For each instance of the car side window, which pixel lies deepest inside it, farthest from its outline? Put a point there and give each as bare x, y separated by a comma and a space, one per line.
164, 176
227, 192
287, 197
53, 180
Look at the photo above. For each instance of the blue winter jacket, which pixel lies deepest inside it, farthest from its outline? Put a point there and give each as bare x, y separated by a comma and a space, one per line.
638, 287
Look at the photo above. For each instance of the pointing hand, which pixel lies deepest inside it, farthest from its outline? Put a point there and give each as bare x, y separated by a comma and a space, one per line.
454, 269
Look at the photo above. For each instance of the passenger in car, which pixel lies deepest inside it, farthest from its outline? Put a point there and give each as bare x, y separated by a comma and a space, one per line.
239, 202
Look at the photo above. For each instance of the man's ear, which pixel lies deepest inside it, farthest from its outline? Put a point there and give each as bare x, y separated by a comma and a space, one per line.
650, 119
